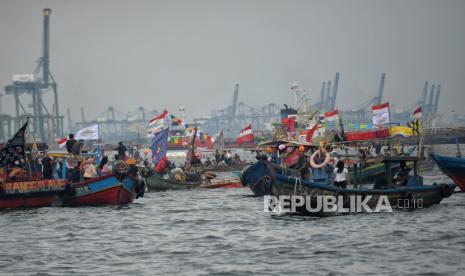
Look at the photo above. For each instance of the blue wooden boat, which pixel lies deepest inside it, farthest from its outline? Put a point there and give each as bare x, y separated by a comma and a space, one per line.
269, 181
454, 167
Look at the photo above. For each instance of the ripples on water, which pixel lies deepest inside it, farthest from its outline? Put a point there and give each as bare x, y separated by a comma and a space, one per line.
226, 232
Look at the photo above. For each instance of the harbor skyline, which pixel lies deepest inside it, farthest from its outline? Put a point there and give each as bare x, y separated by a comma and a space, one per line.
162, 53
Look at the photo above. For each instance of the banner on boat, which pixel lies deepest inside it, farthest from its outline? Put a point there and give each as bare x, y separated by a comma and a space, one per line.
380, 114
34, 186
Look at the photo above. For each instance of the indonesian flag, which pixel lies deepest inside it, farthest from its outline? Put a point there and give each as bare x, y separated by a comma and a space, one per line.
380, 114
331, 116
158, 124
158, 118
62, 142
417, 113
246, 135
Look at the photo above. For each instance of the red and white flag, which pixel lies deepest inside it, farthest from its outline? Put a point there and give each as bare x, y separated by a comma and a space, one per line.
331, 116
246, 135
417, 114
62, 142
158, 123
158, 118
380, 114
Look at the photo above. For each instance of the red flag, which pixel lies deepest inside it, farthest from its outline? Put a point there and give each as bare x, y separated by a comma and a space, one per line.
245, 136
158, 117
62, 142
332, 115
417, 113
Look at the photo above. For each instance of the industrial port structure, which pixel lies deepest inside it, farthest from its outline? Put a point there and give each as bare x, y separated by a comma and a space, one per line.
46, 122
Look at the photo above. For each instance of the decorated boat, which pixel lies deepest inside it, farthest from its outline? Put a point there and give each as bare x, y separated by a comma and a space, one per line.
454, 167
413, 195
23, 188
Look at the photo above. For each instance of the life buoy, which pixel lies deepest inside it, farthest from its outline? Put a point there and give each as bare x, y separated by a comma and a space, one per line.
324, 163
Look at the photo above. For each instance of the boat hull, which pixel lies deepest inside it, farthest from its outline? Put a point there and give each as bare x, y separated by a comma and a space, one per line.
157, 183
454, 167
37, 193
106, 190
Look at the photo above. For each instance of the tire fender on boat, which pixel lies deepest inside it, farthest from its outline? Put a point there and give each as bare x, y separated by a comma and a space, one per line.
314, 165
140, 188
446, 191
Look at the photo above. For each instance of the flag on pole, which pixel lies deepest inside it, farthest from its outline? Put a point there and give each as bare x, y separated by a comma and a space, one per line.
87, 133
218, 140
158, 118
380, 114
14, 152
159, 146
158, 124
332, 116
417, 113
245, 136
62, 142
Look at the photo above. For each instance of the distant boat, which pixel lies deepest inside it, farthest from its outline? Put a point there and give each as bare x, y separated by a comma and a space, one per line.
157, 183
454, 167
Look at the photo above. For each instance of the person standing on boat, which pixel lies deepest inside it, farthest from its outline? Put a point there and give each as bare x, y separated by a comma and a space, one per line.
47, 167
90, 170
121, 151
103, 167
70, 143
77, 147
341, 173
302, 164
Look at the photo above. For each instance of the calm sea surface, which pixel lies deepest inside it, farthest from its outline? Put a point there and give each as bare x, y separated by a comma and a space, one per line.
226, 232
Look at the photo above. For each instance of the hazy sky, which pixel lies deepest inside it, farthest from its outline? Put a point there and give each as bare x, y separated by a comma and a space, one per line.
163, 54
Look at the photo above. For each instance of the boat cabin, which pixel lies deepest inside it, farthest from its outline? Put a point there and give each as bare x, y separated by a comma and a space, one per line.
410, 180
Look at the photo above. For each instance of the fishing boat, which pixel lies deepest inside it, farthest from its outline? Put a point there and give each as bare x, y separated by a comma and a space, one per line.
156, 182
454, 167
264, 175
105, 190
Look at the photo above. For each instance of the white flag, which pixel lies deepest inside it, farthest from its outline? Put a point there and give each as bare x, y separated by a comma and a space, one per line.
87, 133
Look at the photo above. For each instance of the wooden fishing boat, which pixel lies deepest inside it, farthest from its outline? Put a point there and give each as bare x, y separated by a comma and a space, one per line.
279, 185
454, 167
229, 182
228, 168
105, 190
157, 183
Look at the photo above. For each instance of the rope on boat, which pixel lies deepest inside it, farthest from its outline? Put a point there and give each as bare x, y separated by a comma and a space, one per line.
297, 180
